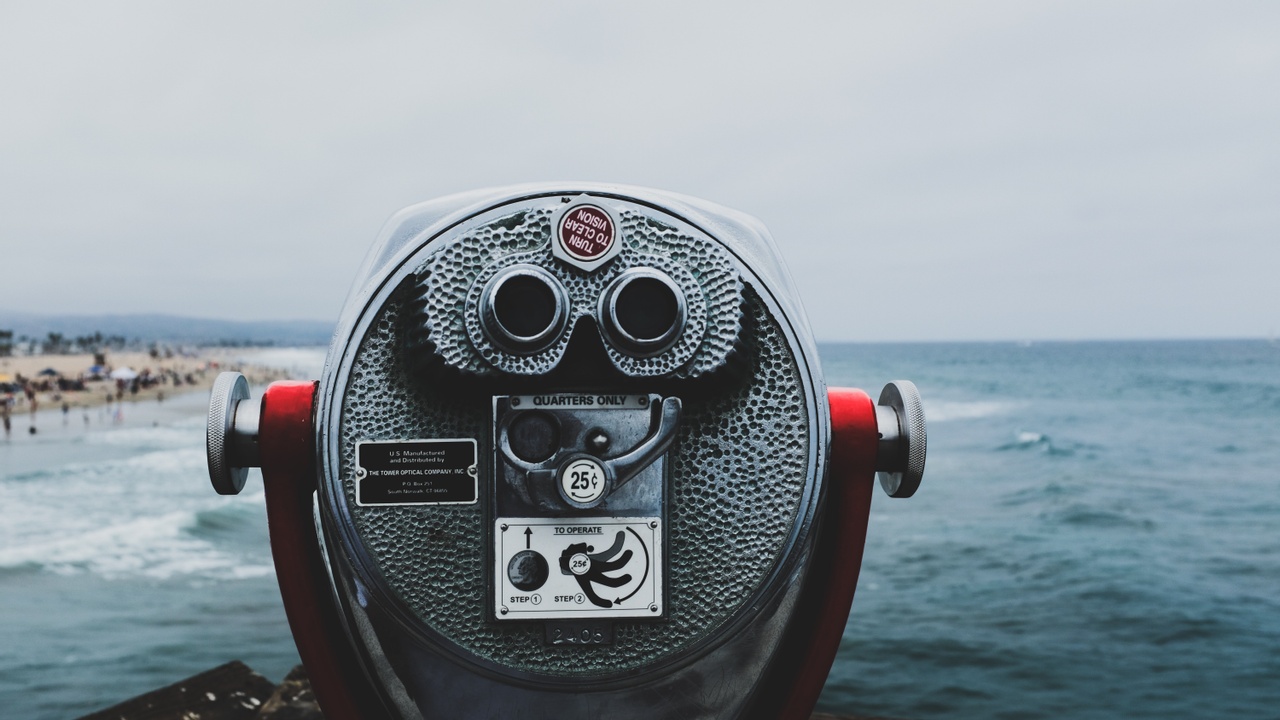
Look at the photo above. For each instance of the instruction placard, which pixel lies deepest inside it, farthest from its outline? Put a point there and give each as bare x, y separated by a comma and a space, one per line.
557, 568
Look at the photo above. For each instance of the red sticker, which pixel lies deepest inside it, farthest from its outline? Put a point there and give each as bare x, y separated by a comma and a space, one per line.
586, 232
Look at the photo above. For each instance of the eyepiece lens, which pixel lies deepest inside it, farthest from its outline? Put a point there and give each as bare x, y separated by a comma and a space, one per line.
643, 312
523, 309
646, 309
525, 306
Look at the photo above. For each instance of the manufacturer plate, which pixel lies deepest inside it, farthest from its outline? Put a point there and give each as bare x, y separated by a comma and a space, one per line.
416, 472
554, 568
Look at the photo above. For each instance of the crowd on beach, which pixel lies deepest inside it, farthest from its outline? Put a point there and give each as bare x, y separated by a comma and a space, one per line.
24, 395
24, 392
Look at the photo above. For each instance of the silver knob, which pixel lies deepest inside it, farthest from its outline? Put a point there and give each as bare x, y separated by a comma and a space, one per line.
231, 436
900, 457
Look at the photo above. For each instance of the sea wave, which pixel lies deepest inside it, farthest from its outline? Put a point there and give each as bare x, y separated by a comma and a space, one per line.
179, 462
146, 515
157, 547
229, 518
1249, 393
185, 433
1029, 440
1085, 515
949, 410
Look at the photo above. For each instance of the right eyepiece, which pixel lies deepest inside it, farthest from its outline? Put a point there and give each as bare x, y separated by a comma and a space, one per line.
643, 312
524, 309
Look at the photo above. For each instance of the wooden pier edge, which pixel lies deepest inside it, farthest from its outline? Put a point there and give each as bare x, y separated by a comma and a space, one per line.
235, 692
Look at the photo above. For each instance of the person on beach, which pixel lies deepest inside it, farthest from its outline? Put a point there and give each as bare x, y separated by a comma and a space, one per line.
5, 404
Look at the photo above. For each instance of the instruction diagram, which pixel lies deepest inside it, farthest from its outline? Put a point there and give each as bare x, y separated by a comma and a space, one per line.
553, 568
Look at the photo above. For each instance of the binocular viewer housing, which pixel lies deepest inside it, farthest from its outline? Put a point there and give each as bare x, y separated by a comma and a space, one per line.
571, 456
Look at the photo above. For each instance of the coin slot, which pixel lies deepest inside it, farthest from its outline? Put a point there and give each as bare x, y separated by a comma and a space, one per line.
534, 436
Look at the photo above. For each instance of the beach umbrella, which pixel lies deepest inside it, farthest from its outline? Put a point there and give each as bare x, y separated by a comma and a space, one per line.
49, 371
97, 370
123, 373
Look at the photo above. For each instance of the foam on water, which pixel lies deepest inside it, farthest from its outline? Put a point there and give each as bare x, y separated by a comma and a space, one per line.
157, 547
137, 516
175, 435
938, 411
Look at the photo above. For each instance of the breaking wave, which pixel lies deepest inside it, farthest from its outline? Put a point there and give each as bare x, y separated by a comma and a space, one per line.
949, 410
157, 547
149, 515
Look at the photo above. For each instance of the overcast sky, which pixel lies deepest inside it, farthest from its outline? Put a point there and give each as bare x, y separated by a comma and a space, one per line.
931, 171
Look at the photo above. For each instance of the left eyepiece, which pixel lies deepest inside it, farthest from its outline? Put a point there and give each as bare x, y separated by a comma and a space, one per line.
524, 309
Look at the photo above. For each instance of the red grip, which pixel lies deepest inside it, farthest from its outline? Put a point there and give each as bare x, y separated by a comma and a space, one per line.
800, 669
286, 440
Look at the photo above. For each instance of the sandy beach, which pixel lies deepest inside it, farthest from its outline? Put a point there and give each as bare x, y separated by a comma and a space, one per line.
158, 377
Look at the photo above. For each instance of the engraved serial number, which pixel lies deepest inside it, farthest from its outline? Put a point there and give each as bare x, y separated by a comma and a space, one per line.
585, 636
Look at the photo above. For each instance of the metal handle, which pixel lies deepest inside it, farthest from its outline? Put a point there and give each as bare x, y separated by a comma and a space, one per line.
627, 466
231, 435
617, 471
903, 442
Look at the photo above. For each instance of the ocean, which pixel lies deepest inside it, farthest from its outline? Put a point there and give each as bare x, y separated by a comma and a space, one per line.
1097, 536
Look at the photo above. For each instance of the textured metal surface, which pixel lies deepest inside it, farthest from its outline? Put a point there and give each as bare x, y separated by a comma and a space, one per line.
450, 289
227, 476
734, 503
903, 466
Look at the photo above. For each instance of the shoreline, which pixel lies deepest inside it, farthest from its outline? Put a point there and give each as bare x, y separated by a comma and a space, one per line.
159, 378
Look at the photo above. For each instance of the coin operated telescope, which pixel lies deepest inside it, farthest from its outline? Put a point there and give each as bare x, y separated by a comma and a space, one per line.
571, 456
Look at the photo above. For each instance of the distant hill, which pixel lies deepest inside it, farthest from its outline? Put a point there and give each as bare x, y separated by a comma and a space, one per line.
170, 329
